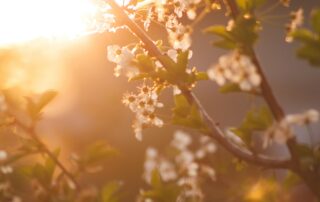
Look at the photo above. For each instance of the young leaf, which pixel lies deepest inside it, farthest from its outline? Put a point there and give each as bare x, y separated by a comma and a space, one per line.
225, 44
249, 5
201, 76
245, 31
186, 114
182, 61
145, 63
218, 30
109, 192
94, 156
256, 120
315, 20
229, 88
46, 98
35, 107
156, 181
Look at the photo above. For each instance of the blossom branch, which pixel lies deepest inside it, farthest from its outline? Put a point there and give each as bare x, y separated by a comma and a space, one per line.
215, 131
278, 113
266, 90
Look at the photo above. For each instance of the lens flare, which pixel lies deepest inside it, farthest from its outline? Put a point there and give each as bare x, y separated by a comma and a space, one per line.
22, 20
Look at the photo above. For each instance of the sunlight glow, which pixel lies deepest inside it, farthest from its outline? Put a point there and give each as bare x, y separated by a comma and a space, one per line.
23, 20
256, 193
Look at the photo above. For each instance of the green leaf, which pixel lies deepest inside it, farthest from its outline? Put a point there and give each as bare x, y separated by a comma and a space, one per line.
182, 61
249, 5
303, 35
315, 20
35, 107
43, 173
201, 76
310, 48
186, 114
161, 192
218, 30
156, 181
95, 154
311, 53
245, 31
109, 192
145, 63
225, 44
291, 180
257, 119
182, 106
229, 88
46, 98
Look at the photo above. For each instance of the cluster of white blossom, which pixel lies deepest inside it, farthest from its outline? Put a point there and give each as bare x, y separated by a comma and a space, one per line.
123, 57
101, 20
161, 9
296, 21
235, 68
185, 167
179, 35
281, 131
154, 161
144, 105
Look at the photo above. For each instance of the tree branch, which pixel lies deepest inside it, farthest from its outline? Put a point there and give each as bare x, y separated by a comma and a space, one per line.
215, 132
33, 135
311, 179
266, 90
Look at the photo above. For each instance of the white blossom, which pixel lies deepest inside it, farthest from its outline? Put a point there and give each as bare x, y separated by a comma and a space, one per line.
6, 169
193, 169
180, 36
307, 117
3, 155
207, 170
181, 140
16, 199
185, 158
123, 57
235, 68
182, 167
150, 163
279, 132
144, 105
206, 147
167, 170
296, 21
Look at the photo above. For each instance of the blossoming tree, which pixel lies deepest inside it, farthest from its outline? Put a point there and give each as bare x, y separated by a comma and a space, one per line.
182, 172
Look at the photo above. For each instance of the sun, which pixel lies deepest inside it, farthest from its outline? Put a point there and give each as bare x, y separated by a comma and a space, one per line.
25, 20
